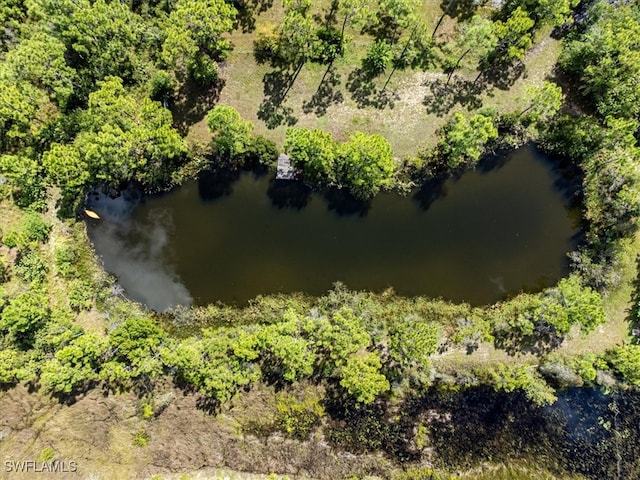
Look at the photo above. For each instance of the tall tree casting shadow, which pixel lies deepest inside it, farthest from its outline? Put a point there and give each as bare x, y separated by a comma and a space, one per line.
326, 95
444, 96
272, 110
192, 103
361, 85
248, 10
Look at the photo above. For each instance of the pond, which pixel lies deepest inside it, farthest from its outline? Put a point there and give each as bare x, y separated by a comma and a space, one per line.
492, 232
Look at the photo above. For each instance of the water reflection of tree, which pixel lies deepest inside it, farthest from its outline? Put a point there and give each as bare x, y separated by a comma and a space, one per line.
288, 194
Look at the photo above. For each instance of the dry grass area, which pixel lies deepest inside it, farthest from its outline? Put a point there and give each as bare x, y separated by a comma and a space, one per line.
98, 432
416, 108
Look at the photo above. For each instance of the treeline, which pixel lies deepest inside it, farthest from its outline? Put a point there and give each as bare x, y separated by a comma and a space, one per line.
401, 37
601, 56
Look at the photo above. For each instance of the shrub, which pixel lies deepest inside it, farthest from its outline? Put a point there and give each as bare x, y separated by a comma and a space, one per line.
298, 418
47, 454
11, 239
265, 45
66, 257
24, 316
10, 363
625, 361
3, 271
141, 438
31, 268
35, 229
378, 58
81, 295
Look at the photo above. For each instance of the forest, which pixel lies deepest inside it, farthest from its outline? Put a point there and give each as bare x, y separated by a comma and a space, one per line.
108, 94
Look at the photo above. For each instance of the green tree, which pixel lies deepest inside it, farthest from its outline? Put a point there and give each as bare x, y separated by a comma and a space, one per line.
286, 355
314, 152
136, 346
25, 179
606, 62
232, 134
625, 360
515, 34
365, 164
23, 317
336, 338
413, 341
194, 38
463, 139
361, 377
12, 16
554, 12
570, 303
101, 39
417, 51
74, 366
378, 57
476, 37
40, 61
220, 363
66, 169
355, 13
123, 139
544, 102
22, 114
401, 12
297, 39
611, 189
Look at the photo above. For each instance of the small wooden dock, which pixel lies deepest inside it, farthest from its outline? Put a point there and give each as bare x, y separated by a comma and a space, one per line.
285, 170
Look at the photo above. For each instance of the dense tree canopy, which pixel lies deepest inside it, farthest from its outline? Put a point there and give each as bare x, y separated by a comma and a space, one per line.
363, 164
194, 37
607, 60
232, 134
464, 138
122, 140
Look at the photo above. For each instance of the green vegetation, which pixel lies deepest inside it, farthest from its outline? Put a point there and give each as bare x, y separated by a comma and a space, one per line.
363, 164
97, 94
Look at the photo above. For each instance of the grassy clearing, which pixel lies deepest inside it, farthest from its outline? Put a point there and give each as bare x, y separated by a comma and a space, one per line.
414, 113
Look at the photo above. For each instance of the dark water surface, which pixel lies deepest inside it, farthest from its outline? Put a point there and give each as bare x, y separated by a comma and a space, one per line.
492, 232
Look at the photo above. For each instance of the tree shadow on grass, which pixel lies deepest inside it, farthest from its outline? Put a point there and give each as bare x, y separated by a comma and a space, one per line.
326, 95
248, 10
365, 93
193, 101
446, 96
461, 9
276, 86
502, 74
543, 341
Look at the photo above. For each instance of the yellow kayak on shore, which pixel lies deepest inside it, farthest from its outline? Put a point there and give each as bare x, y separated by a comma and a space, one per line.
92, 214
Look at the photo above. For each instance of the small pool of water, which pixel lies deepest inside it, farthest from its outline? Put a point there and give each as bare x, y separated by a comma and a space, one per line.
492, 232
